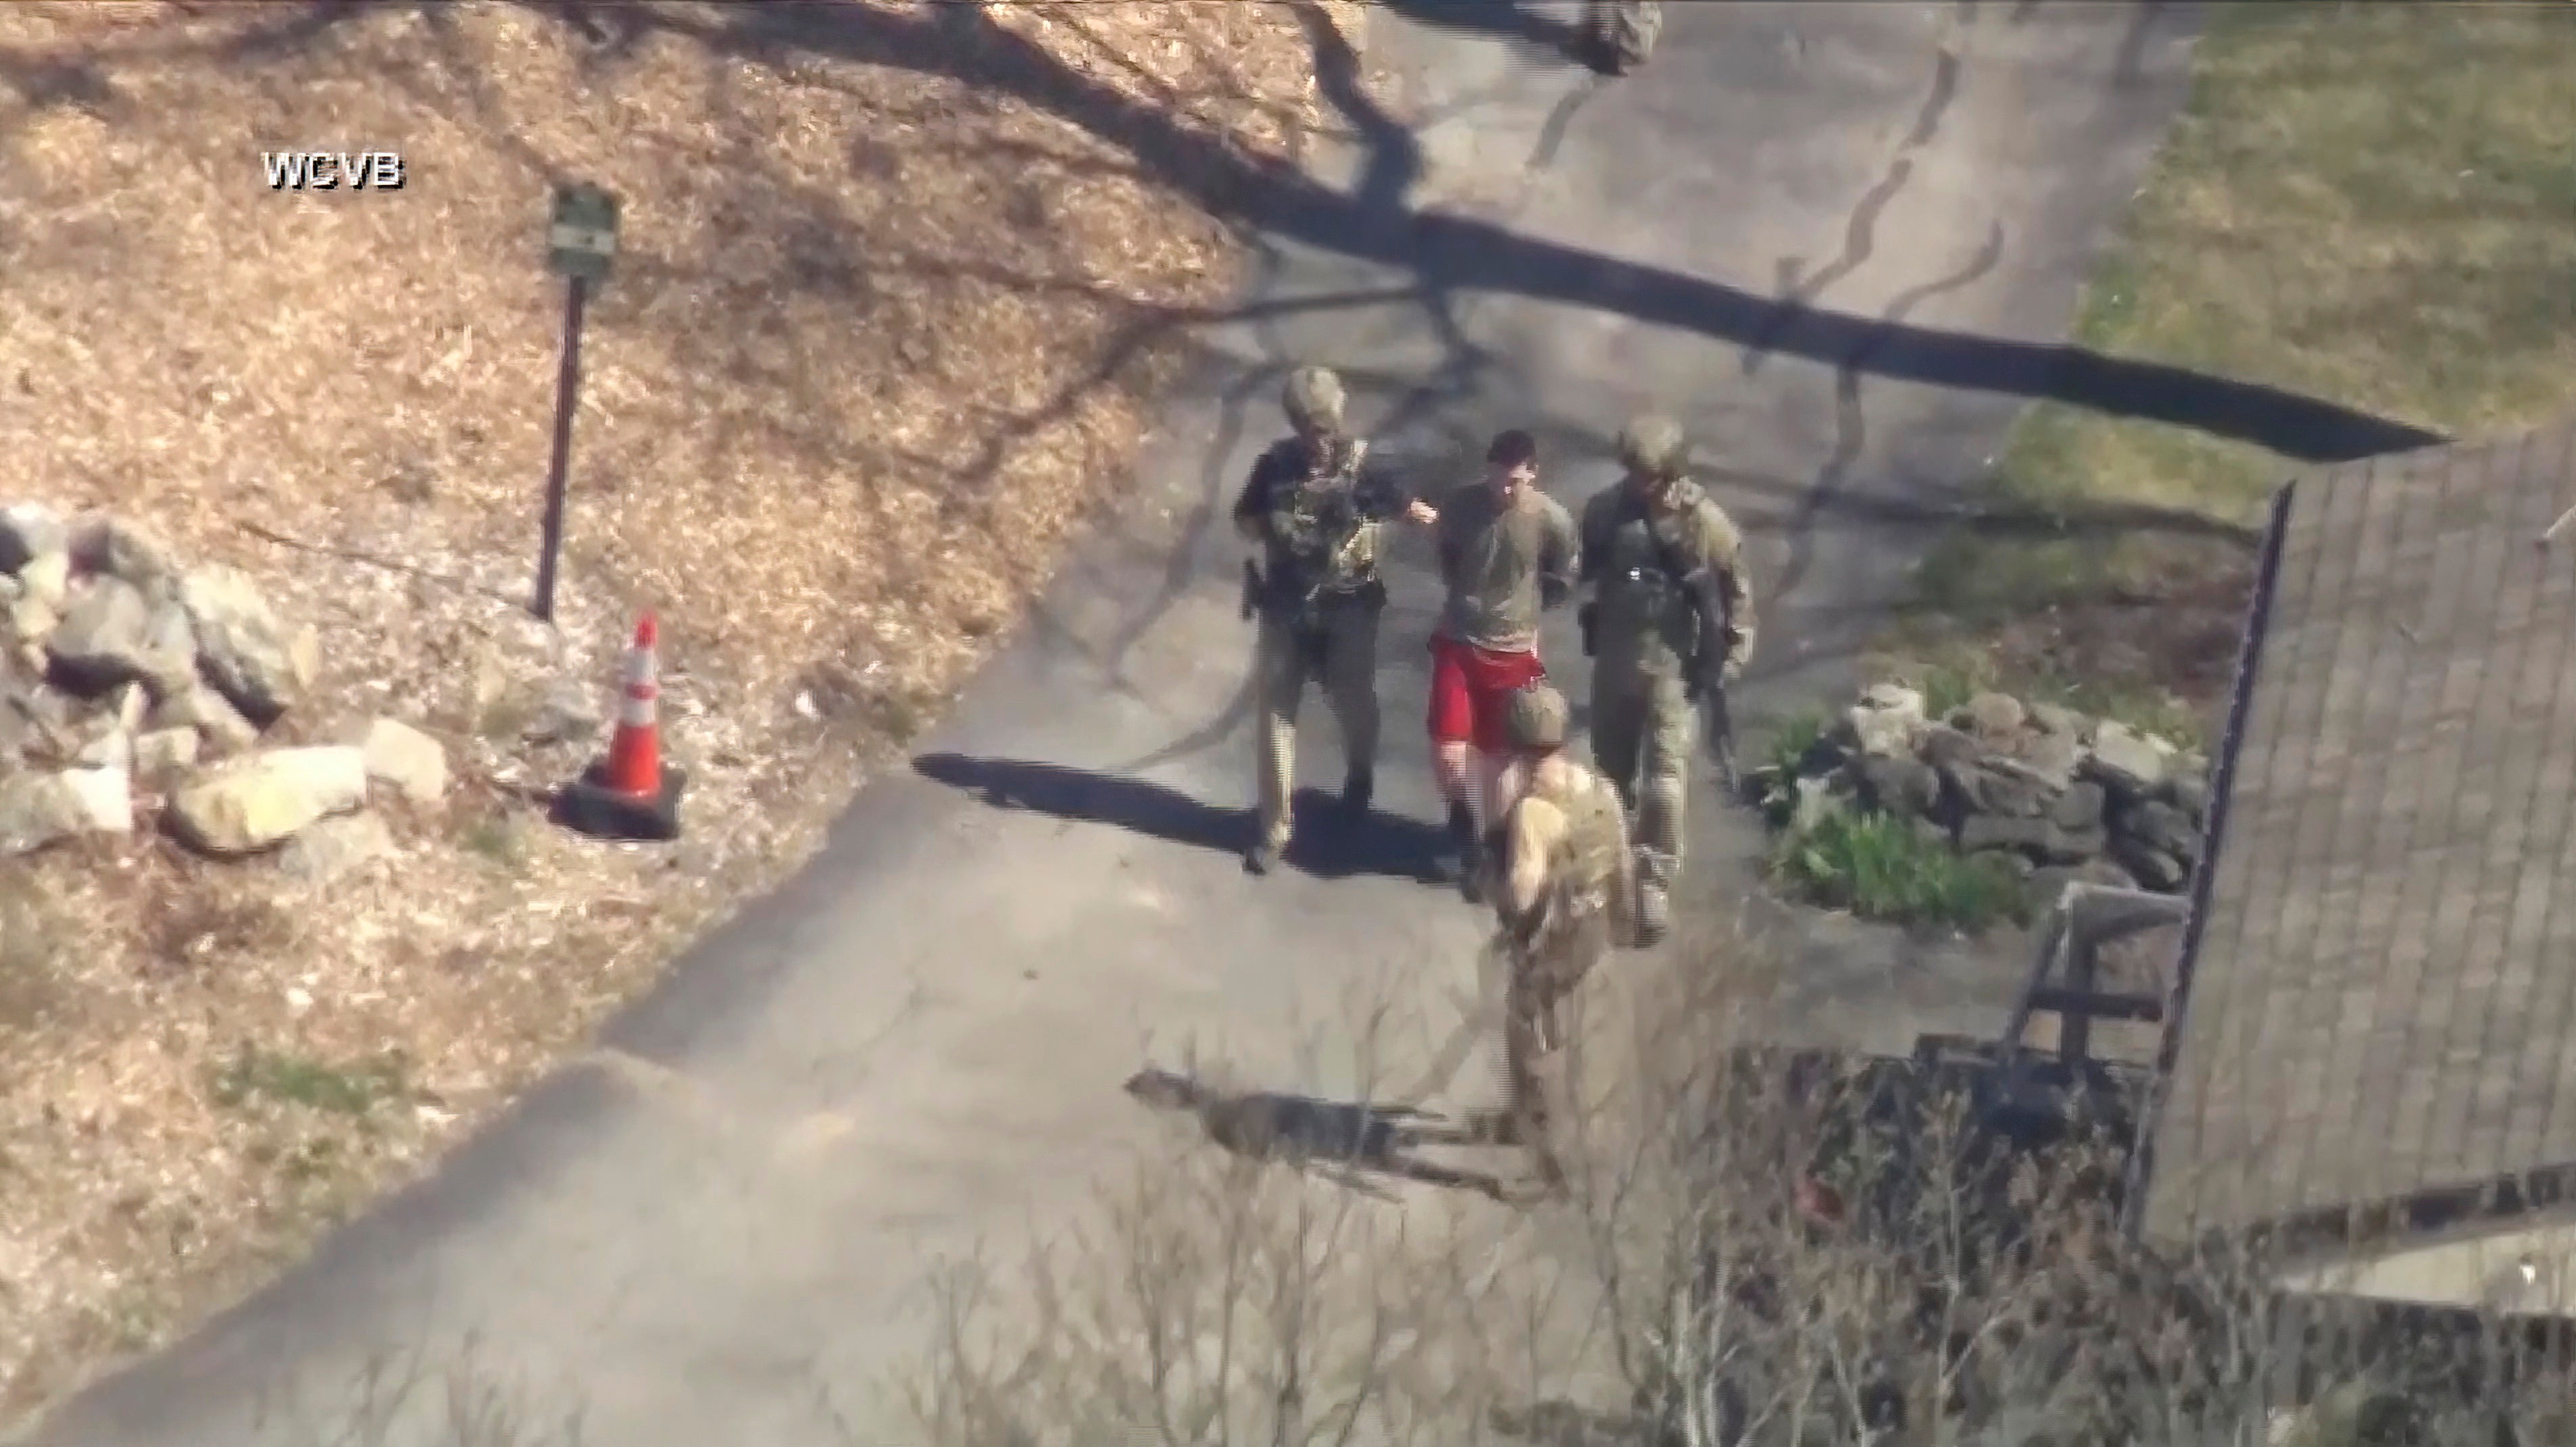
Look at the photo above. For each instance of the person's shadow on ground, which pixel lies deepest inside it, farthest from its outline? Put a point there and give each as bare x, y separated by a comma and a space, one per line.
1327, 844
1341, 1141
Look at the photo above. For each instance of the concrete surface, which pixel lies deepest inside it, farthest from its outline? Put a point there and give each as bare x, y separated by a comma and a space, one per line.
918, 1044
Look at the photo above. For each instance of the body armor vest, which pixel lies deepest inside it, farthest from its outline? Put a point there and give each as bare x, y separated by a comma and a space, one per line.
1645, 611
1588, 858
1322, 533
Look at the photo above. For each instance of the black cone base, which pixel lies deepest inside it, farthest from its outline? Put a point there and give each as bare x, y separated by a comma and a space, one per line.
589, 807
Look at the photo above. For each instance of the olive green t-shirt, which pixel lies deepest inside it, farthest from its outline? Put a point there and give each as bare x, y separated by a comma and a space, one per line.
1493, 560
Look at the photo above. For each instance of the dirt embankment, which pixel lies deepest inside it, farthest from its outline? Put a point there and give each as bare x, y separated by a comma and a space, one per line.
877, 340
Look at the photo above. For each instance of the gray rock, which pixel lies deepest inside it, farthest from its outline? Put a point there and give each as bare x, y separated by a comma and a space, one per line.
2151, 867
27, 530
41, 809
1930, 831
258, 663
1893, 698
2060, 721
1983, 789
2164, 828
163, 754
1883, 733
2011, 788
127, 707
1995, 715
106, 638
225, 731
249, 803
2073, 846
333, 848
2045, 842
406, 758
2129, 763
2080, 807
1981, 832
110, 747
120, 550
2190, 794
170, 635
2055, 757
30, 622
17, 725
1942, 746
46, 579
51, 724
562, 712
2010, 861
1899, 786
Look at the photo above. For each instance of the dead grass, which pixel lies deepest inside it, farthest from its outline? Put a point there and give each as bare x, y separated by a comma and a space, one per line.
2364, 203
877, 342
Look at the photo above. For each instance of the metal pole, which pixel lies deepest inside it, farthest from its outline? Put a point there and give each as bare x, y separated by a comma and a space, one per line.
567, 389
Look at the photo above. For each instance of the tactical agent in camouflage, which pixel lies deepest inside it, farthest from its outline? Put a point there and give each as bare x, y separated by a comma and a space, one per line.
1564, 895
1670, 618
1620, 34
1314, 507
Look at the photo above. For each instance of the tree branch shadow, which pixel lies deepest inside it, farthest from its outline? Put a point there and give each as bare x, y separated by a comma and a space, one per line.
1346, 1142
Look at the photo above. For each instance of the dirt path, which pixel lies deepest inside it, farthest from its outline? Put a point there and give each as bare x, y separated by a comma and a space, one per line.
917, 1045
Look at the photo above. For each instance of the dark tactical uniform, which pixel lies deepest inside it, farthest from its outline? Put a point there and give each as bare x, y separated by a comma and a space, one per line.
1670, 616
1317, 514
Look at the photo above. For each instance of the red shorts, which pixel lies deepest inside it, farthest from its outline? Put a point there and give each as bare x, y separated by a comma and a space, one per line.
1469, 688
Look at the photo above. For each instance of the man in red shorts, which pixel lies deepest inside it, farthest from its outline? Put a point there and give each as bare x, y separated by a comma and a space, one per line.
1507, 551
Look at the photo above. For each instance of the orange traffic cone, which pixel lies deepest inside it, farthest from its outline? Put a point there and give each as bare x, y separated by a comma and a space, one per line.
629, 795
635, 751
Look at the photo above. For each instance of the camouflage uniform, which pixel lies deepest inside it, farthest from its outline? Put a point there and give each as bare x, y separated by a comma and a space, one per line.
1564, 896
1621, 34
1316, 516
1666, 565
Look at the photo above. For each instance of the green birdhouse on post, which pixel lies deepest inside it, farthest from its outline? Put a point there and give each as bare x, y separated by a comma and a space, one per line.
583, 238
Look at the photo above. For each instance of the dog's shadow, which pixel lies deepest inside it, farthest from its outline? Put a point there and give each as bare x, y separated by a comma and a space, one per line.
1345, 1142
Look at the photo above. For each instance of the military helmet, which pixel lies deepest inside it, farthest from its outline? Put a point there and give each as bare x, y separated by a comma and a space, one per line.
1653, 445
1536, 717
1314, 398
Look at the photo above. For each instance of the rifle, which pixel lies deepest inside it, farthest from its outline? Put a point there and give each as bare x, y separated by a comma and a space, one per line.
1251, 590
1707, 685
1717, 724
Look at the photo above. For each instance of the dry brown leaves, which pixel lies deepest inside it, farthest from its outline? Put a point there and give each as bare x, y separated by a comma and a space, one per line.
877, 340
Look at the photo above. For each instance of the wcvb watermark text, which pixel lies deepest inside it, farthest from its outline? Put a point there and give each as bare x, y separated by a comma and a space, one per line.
332, 170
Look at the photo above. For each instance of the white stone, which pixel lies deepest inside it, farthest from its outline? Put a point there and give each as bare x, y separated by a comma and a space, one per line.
2135, 761
262, 666
1893, 698
164, 752
333, 847
39, 809
249, 803
406, 758
47, 577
